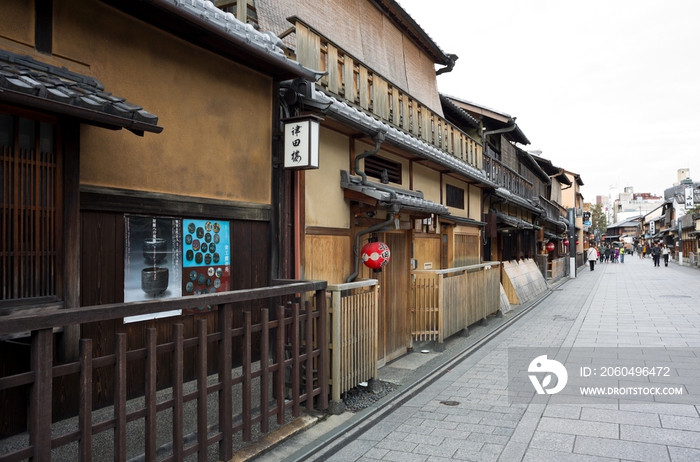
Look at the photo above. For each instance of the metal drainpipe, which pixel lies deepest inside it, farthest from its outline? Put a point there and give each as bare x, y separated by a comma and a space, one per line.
507, 129
378, 139
371, 229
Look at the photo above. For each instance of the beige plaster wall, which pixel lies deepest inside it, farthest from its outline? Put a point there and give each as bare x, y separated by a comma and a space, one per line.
475, 203
428, 181
216, 141
325, 202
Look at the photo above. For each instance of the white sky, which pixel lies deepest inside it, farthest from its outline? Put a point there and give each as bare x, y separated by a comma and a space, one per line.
609, 89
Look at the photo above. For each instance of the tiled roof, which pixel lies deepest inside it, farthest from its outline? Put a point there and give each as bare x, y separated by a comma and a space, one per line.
26, 81
352, 116
405, 199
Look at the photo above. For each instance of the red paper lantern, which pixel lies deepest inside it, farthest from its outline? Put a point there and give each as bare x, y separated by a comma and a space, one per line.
566, 242
550, 246
576, 241
375, 255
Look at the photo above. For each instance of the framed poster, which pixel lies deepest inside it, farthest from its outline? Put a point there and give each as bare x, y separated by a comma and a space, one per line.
206, 258
153, 261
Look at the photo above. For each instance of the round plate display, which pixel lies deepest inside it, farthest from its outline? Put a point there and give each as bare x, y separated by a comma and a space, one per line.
217, 227
200, 279
217, 283
207, 258
218, 272
217, 238
189, 287
195, 244
191, 227
216, 258
208, 282
189, 255
198, 258
207, 237
188, 239
212, 247
210, 271
193, 275
200, 232
207, 225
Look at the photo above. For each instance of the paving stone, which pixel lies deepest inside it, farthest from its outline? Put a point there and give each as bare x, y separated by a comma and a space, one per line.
666, 436
627, 450
615, 416
684, 454
553, 441
680, 423
543, 455
578, 427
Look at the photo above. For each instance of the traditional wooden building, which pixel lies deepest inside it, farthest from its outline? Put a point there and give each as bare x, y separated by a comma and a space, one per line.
132, 134
391, 166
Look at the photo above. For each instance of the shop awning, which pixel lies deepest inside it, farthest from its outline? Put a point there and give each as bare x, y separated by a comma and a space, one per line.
30, 83
513, 222
387, 197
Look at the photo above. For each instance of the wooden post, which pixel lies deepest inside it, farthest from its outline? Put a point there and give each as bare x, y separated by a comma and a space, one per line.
40, 394
225, 394
178, 381
120, 398
85, 410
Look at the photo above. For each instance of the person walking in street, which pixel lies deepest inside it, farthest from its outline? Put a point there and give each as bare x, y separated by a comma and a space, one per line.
601, 253
656, 254
622, 254
592, 256
665, 253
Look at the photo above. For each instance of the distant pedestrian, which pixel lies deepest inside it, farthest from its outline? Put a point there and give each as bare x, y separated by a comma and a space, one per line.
601, 253
616, 255
592, 256
622, 254
656, 254
665, 253
607, 254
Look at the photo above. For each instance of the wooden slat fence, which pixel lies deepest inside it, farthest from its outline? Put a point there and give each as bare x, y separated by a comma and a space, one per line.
447, 301
293, 340
354, 324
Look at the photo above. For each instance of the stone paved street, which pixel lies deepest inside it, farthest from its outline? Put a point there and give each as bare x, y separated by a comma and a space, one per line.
630, 305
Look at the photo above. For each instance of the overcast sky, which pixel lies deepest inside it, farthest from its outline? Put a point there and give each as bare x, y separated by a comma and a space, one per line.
609, 89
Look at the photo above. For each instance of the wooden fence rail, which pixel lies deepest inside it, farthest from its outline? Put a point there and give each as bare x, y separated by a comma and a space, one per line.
293, 349
354, 324
447, 301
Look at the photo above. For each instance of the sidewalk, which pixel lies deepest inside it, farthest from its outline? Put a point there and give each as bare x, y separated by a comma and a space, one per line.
464, 413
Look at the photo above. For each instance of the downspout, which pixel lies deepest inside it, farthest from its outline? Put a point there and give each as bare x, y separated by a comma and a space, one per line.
371, 229
507, 129
378, 139
452, 59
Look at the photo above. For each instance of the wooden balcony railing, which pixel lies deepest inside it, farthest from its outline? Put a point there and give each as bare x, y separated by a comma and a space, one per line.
507, 178
194, 417
447, 301
354, 325
351, 81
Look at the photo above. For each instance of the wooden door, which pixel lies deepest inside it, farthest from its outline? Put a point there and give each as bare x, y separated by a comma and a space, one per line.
394, 309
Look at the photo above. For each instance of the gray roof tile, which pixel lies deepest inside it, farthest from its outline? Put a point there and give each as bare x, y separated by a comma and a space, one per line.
63, 88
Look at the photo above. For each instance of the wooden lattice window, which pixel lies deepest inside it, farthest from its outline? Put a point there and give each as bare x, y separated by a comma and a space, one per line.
384, 169
454, 196
29, 197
